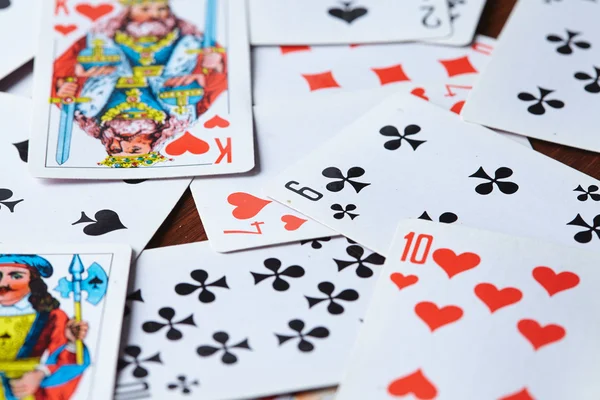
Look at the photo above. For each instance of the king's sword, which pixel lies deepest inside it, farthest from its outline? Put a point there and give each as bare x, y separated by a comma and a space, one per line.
209, 41
65, 127
210, 25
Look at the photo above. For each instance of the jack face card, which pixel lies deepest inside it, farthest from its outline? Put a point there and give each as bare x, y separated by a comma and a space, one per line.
275, 320
73, 212
409, 159
553, 92
60, 318
19, 29
304, 22
467, 314
142, 89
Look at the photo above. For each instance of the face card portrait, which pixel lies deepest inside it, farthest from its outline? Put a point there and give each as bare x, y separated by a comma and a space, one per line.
60, 314
142, 89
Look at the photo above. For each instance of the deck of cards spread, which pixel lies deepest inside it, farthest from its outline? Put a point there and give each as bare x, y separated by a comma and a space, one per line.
148, 93
467, 314
319, 138
60, 318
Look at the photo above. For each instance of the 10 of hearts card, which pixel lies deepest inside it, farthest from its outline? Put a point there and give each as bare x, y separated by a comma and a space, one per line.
461, 313
130, 89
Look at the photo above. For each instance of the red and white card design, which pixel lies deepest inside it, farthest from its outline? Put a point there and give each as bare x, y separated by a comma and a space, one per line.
443, 74
460, 313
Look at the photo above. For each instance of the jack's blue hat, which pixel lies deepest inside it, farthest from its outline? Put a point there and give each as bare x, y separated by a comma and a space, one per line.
39, 263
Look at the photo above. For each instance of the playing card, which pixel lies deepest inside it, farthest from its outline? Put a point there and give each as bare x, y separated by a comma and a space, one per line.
20, 82
467, 314
31, 209
60, 318
234, 212
275, 320
19, 29
443, 74
142, 89
344, 22
543, 80
409, 159
464, 18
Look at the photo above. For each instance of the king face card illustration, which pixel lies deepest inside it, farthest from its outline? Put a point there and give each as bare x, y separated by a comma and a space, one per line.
142, 89
60, 313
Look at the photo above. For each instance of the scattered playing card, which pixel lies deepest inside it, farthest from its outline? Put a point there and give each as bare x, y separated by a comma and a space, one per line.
440, 73
130, 90
464, 18
543, 80
60, 318
274, 320
304, 22
73, 212
409, 159
467, 314
18, 28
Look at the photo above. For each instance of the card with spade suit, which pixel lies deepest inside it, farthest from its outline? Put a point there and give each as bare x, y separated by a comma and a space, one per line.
407, 158
31, 209
61, 308
276, 320
19, 29
460, 313
553, 92
134, 89
308, 22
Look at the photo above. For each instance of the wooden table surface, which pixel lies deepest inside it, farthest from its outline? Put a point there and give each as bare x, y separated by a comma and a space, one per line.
184, 225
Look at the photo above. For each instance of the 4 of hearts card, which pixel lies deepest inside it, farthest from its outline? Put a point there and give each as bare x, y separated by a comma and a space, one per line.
460, 313
303, 22
407, 158
32, 209
543, 81
142, 89
60, 318
274, 320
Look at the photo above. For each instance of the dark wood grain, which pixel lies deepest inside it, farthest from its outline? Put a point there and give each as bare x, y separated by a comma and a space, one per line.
184, 225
